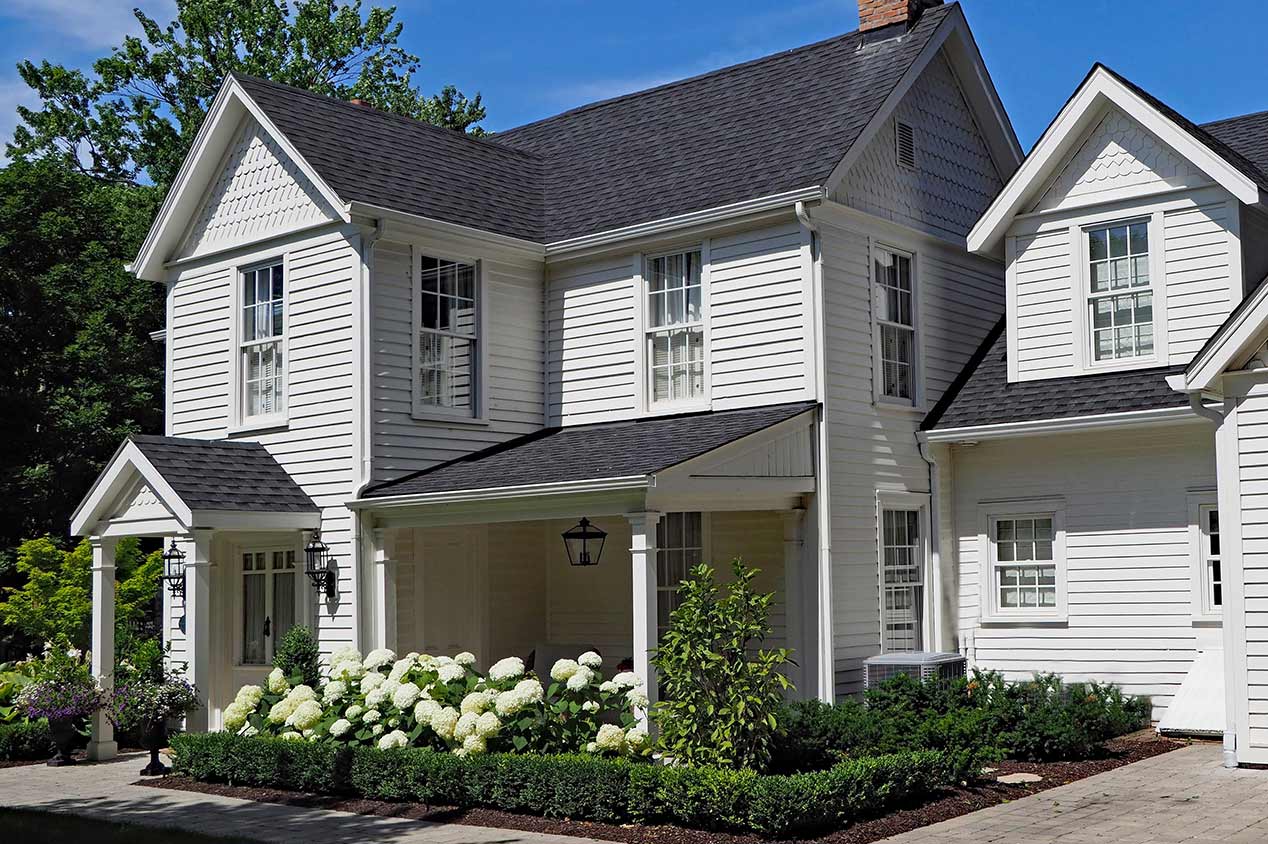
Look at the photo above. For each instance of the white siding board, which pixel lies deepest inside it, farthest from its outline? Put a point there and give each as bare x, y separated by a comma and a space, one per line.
1197, 272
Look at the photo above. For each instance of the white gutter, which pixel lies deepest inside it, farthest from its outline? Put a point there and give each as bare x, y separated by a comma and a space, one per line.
503, 493
455, 229
1055, 426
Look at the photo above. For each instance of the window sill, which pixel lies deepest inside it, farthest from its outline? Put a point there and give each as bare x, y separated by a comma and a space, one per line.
1205, 620
1024, 621
441, 418
899, 408
255, 426
674, 408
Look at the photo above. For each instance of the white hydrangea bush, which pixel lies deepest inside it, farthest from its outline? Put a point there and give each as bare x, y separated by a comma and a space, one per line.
446, 703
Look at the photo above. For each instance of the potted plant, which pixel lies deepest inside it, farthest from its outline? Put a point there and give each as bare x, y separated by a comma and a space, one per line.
65, 694
144, 703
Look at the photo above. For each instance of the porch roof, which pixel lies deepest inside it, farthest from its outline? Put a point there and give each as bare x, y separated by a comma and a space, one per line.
623, 449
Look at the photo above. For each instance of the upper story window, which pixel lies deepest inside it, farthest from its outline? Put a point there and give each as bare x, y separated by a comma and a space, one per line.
447, 328
1120, 301
263, 342
675, 327
895, 325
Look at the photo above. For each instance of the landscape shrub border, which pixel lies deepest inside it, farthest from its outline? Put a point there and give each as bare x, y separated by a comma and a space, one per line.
25, 740
578, 787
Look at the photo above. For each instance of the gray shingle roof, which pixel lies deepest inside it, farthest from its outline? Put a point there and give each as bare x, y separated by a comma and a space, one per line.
591, 452
983, 396
768, 126
224, 474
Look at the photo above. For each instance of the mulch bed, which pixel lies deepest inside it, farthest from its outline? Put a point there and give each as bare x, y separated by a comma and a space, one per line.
956, 802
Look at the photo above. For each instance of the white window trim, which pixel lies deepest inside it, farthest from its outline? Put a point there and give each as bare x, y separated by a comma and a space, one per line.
988, 595
706, 550
881, 401
895, 500
303, 598
239, 421
648, 405
478, 415
1083, 293
1199, 503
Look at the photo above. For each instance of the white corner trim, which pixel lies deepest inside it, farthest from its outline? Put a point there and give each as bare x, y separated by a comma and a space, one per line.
1129, 419
503, 493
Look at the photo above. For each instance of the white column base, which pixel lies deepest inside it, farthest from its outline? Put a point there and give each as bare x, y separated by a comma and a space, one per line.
100, 751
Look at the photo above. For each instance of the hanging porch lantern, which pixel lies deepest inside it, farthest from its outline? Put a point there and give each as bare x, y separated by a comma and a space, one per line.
584, 543
317, 565
174, 570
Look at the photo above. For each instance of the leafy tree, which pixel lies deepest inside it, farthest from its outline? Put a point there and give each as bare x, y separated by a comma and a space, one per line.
720, 689
138, 111
55, 602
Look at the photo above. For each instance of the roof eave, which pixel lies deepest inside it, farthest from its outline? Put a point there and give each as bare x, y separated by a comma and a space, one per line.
488, 494
1035, 427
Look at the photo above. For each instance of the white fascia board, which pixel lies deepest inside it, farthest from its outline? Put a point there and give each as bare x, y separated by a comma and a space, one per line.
256, 520
1130, 419
222, 120
111, 482
1050, 152
573, 246
966, 63
520, 247
503, 493
1232, 344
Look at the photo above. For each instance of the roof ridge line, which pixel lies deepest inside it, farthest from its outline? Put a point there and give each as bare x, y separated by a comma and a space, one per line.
1209, 123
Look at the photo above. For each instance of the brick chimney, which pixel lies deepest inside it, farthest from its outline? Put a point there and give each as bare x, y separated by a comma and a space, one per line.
873, 14
357, 101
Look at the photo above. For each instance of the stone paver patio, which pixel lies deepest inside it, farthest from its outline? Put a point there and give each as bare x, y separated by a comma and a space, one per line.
1183, 796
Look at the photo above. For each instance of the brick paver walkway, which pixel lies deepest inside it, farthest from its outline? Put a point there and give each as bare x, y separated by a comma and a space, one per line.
1183, 796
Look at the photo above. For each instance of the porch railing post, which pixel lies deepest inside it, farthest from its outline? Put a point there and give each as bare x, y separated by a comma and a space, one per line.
198, 626
102, 744
643, 571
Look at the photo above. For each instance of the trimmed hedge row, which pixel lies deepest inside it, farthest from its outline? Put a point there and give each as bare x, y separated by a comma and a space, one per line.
23, 740
579, 787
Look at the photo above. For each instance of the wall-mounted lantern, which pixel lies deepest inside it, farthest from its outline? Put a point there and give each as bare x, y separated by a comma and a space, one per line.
174, 570
584, 543
317, 565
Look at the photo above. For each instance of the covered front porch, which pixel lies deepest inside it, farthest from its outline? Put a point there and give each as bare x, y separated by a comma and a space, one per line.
459, 564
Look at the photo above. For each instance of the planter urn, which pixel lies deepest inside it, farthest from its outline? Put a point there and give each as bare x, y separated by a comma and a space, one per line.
155, 737
64, 737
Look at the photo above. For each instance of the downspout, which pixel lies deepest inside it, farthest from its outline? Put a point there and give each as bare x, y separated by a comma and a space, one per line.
825, 682
363, 388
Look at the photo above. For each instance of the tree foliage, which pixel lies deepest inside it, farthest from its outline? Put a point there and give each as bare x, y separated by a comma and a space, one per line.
138, 110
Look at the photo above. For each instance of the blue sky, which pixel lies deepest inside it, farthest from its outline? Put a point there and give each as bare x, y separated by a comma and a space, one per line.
534, 59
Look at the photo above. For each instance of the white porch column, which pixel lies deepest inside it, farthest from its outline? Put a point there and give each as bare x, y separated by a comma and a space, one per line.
198, 624
643, 579
794, 619
102, 744
384, 584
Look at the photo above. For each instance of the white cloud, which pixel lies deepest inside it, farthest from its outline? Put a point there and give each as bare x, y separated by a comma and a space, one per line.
96, 24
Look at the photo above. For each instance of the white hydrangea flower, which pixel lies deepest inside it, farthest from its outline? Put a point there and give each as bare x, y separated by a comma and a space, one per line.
531, 689
353, 712
637, 697
345, 654
445, 722
377, 730
401, 668
372, 681
487, 725
427, 662
340, 727
609, 687
348, 668
476, 702
627, 680
301, 693
377, 697
249, 696
235, 717
393, 739
466, 725
466, 658
580, 680
563, 669
591, 659
509, 702
590, 706
610, 738
449, 672
636, 737
474, 744
391, 686
277, 682
394, 722
445, 660
378, 658
291, 735
334, 692
591, 747
282, 710
405, 695
506, 669
305, 716
425, 710
371, 716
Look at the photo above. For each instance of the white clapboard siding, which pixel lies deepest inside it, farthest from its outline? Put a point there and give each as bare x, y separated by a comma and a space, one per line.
954, 179
259, 193
1128, 555
513, 338
1042, 272
960, 299
757, 538
1197, 273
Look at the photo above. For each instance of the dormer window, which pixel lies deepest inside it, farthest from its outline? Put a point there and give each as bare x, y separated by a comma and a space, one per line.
1120, 299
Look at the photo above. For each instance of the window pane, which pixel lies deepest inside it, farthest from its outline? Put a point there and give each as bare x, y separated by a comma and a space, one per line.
1139, 238
1118, 241
253, 613
283, 604
1098, 244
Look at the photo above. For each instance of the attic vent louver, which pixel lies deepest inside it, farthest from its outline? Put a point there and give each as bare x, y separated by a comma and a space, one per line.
905, 144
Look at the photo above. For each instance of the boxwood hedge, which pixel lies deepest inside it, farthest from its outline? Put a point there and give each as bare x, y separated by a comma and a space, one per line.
24, 740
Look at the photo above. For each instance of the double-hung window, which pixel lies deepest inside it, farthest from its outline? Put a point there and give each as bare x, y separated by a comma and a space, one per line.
902, 580
679, 547
895, 326
675, 327
1120, 299
447, 330
269, 600
263, 343
1212, 580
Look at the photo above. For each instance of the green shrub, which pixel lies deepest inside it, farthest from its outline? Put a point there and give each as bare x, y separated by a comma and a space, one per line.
299, 657
721, 693
581, 787
1046, 719
23, 740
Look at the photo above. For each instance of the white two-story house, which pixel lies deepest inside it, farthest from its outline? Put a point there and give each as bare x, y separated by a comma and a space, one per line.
708, 318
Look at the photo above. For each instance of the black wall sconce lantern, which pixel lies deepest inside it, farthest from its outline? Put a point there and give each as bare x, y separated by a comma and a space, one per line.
174, 570
317, 565
584, 543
